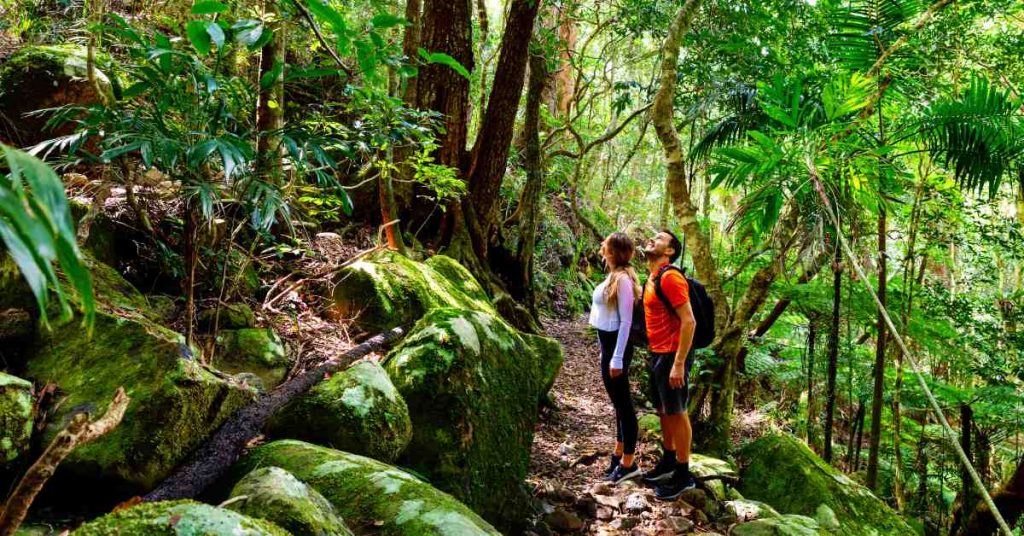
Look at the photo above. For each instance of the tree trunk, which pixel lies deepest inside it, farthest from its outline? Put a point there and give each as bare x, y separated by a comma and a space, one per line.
1010, 502
871, 479
534, 178
968, 497
270, 105
856, 439
411, 45
812, 337
833, 352
565, 83
490, 154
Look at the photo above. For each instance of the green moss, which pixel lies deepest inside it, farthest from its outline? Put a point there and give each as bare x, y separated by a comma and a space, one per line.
357, 410
787, 525
784, 473
230, 316
650, 427
15, 417
371, 496
256, 350
388, 289
175, 403
178, 518
274, 494
472, 384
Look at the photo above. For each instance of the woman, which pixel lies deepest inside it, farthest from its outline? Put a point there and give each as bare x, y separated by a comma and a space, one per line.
612, 315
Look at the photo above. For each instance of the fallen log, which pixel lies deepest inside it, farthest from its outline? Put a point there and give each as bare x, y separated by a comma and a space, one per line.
213, 458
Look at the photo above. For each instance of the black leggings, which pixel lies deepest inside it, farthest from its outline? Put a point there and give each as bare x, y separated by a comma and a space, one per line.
626, 428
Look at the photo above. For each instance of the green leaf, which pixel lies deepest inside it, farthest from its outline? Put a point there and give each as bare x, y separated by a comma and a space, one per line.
198, 36
208, 6
216, 33
271, 76
248, 32
444, 59
387, 20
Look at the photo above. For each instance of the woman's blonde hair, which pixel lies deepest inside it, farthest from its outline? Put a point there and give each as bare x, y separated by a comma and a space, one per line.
622, 250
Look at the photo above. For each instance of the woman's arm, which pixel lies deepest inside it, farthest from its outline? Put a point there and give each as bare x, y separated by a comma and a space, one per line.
625, 304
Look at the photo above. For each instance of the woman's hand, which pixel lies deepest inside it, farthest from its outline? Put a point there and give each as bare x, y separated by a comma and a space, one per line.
615, 372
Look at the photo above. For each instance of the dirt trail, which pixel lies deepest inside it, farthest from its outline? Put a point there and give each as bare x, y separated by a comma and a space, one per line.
571, 448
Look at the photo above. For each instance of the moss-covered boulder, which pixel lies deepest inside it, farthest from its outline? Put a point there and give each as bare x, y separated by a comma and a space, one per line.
15, 417
372, 497
787, 525
228, 316
472, 384
274, 494
38, 77
357, 410
387, 290
256, 350
175, 402
178, 518
781, 471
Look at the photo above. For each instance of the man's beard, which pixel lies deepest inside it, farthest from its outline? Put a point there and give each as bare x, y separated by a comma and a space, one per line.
651, 254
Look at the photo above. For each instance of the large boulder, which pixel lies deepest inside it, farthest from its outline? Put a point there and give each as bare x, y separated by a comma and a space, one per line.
472, 384
38, 77
178, 518
15, 417
175, 402
357, 410
781, 471
274, 494
256, 350
387, 289
372, 497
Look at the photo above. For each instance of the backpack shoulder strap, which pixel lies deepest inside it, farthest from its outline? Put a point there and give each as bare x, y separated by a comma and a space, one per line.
657, 286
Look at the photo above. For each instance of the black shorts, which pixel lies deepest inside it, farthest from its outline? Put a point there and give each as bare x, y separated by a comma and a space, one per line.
668, 401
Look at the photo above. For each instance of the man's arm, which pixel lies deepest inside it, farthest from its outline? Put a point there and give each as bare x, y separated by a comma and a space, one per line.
687, 326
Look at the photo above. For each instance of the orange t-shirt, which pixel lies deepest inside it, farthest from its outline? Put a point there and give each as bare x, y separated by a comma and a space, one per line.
662, 324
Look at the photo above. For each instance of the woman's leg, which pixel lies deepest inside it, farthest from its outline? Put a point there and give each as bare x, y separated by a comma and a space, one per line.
607, 340
622, 401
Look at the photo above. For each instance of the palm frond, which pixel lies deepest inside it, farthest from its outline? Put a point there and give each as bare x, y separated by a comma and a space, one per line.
745, 116
979, 135
865, 28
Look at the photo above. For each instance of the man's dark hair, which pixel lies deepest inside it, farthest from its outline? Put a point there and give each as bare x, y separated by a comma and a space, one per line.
675, 244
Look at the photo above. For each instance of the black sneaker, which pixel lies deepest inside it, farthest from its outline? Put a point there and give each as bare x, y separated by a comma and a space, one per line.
623, 473
675, 487
661, 472
611, 466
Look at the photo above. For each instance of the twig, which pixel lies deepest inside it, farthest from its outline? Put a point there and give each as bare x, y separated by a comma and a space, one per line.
79, 432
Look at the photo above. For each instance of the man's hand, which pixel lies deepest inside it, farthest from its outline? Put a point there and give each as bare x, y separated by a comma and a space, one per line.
676, 378
615, 372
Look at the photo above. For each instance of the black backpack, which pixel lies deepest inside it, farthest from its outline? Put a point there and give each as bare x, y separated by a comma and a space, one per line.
701, 303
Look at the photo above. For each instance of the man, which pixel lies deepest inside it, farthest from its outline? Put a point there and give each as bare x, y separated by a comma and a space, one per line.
670, 336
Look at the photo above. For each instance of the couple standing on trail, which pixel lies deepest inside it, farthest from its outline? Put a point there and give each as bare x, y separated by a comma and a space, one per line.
664, 319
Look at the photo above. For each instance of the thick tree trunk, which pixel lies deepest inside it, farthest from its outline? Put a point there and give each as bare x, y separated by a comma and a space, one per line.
411, 45
871, 479
490, 154
968, 497
1010, 502
565, 83
833, 354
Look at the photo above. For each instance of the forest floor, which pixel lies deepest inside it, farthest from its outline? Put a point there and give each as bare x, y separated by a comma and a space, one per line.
571, 448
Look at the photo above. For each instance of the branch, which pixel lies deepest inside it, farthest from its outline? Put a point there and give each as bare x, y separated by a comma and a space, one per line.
212, 459
320, 37
608, 136
79, 432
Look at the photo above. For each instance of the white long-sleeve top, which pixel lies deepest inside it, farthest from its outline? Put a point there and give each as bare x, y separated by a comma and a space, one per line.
618, 317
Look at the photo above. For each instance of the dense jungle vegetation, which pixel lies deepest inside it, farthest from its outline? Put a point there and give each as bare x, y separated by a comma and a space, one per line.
287, 225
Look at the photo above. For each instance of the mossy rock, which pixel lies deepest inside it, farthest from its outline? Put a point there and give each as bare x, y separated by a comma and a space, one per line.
387, 289
15, 417
650, 427
781, 471
274, 494
175, 403
787, 525
178, 518
38, 77
472, 384
372, 497
357, 410
232, 316
256, 350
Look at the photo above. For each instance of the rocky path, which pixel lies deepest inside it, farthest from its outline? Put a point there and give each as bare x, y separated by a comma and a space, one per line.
571, 449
